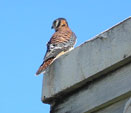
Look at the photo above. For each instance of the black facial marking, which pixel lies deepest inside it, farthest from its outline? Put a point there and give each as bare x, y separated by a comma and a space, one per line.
59, 22
54, 22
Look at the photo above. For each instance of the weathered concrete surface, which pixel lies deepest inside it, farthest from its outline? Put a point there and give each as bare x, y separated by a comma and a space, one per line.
102, 54
99, 94
127, 108
117, 107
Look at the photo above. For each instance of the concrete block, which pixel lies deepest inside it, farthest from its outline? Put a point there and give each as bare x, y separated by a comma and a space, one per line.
127, 108
117, 107
99, 94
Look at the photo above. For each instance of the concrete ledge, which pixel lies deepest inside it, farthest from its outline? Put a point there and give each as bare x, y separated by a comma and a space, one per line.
99, 94
127, 108
104, 53
117, 107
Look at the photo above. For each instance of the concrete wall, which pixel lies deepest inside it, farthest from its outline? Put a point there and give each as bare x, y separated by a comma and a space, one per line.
94, 77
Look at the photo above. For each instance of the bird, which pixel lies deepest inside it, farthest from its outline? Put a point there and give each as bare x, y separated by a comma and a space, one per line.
61, 42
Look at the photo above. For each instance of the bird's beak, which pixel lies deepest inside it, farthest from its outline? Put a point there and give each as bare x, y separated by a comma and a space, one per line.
52, 27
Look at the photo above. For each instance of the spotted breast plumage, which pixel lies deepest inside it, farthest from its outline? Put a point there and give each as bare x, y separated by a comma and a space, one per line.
61, 42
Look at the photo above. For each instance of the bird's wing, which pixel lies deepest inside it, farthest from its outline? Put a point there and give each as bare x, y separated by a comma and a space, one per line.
55, 47
58, 43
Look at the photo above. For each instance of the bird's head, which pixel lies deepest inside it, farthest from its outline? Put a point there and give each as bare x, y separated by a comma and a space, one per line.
59, 23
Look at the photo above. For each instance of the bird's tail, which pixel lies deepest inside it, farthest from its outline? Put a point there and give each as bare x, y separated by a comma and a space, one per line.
44, 65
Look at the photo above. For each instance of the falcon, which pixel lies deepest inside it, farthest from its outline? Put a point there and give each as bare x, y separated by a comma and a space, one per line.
62, 41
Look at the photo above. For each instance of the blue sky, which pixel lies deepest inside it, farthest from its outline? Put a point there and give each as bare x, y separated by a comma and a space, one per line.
25, 28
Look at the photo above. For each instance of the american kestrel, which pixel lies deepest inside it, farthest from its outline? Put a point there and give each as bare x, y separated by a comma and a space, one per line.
61, 42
